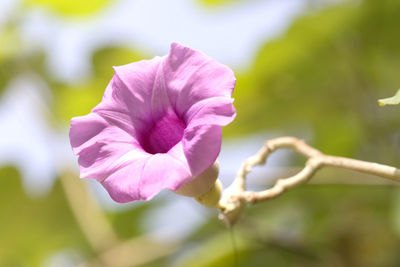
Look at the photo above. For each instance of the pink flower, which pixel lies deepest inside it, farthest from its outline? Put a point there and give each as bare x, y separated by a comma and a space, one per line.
158, 125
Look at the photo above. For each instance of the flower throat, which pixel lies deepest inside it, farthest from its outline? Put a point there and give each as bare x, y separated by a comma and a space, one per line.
164, 134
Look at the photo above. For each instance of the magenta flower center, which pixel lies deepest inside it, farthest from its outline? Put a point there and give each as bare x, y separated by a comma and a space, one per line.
164, 134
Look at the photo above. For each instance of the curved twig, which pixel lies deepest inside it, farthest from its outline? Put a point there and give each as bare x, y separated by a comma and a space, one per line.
235, 197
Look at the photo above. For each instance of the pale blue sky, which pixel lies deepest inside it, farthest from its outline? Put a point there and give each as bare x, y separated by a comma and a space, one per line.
231, 35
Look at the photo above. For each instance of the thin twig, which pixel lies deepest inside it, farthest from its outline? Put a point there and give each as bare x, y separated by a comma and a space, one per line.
235, 197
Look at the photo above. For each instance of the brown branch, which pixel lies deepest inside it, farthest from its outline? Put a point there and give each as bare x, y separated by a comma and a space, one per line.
235, 197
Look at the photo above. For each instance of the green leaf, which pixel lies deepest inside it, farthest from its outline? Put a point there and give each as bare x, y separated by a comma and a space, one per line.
394, 100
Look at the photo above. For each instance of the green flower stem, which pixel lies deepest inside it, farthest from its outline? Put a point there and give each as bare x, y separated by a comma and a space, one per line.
212, 197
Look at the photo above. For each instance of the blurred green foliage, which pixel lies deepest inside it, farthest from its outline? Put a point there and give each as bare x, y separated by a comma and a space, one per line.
11, 44
326, 74
31, 229
14, 60
69, 7
73, 100
323, 76
214, 3
310, 226
34, 228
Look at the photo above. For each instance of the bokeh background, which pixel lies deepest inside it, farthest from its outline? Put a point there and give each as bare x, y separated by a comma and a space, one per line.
309, 68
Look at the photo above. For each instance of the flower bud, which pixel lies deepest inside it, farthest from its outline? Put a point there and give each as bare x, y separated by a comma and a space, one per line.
201, 184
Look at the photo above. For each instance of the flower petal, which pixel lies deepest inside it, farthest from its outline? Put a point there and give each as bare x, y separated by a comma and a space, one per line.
123, 184
137, 109
102, 159
102, 148
190, 76
201, 145
87, 130
212, 111
162, 171
160, 99
126, 100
